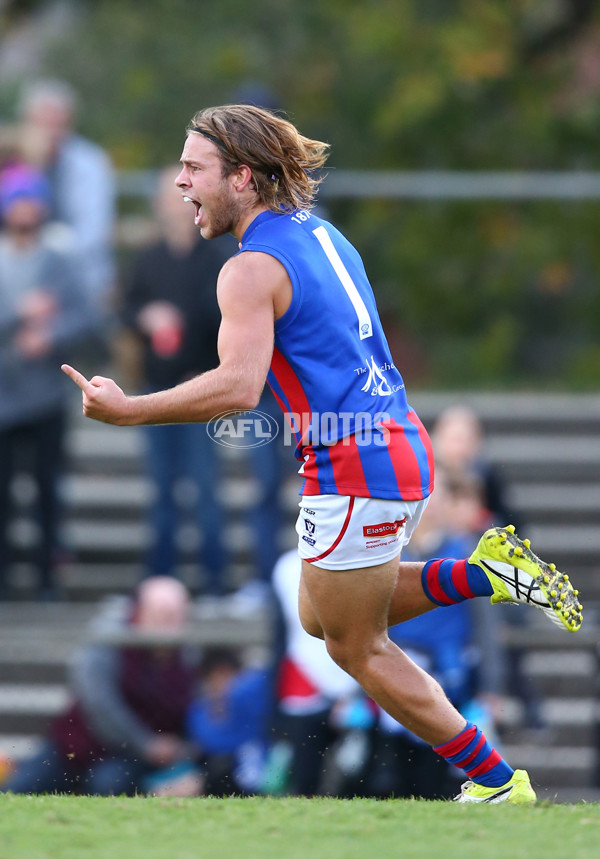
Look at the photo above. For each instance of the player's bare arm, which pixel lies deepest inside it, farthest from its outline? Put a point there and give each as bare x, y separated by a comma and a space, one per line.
253, 289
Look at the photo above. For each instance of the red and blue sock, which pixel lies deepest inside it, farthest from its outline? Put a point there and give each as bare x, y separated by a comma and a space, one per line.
471, 752
446, 581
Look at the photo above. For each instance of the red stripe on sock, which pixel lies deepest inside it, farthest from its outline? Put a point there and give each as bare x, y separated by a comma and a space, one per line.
488, 764
453, 747
433, 584
459, 579
465, 763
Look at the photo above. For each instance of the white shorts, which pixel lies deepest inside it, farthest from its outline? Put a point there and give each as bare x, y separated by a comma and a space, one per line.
347, 532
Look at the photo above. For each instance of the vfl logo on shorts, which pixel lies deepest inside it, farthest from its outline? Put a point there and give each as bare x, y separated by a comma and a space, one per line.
383, 529
311, 529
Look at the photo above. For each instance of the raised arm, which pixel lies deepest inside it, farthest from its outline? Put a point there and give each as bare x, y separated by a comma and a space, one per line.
252, 289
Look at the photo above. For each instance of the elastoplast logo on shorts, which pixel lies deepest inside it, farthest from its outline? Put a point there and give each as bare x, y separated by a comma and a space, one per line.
383, 529
247, 429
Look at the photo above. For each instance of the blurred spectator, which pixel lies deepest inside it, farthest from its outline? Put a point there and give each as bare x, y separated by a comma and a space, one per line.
323, 717
11, 147
81, 177
458, 444
448, 643
170, 304
127, 719
43, 315
227, 723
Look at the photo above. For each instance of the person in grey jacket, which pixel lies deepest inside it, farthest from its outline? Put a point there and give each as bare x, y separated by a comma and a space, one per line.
44, 315
82, 180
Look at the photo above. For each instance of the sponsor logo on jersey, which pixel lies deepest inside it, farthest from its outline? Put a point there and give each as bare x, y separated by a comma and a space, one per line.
383, 529
376, 382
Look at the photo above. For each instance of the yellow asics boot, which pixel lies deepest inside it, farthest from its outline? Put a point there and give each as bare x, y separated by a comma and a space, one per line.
517, 575
517, 791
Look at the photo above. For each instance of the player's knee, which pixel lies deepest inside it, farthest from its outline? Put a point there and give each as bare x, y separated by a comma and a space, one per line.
341, 655
354, 656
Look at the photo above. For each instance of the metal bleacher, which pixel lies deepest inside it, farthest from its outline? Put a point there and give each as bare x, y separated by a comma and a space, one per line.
548, 449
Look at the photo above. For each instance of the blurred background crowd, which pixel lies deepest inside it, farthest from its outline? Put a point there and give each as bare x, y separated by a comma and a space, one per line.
101, 266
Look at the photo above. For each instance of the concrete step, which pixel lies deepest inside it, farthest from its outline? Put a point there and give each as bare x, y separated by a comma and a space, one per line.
568, 675
574, 540
512, 410
554, 764
31, 671
136, 494
556, 503
47, 699
17, 746
574, 450
29, 708
122, 540
50, 632
92, 581
130, 496
96, 446
35, 723
568, 721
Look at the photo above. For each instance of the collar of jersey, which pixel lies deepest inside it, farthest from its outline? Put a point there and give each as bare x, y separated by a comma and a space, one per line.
258, 220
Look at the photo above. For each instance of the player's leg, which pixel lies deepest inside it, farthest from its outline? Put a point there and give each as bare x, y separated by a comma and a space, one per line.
420, 586
408, 599
502, 567
424, 585
496, 572
320, 526
351, 607
349, 602
308, 617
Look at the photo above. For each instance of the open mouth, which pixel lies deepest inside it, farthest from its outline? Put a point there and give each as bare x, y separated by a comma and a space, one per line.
198, 207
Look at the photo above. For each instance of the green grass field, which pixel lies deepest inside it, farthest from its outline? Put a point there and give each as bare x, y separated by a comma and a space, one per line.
64, 827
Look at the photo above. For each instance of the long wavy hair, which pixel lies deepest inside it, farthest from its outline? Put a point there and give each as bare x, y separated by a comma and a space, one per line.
281, 159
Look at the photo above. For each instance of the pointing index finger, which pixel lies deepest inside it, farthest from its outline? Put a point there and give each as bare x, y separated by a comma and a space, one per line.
77, 377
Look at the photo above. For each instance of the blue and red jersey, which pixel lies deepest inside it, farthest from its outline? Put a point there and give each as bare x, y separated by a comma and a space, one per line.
332, 371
